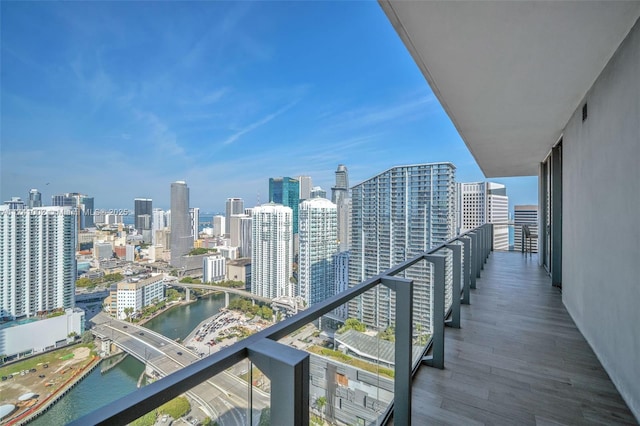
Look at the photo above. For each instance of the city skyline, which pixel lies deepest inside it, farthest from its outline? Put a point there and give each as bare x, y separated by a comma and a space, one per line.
229, 98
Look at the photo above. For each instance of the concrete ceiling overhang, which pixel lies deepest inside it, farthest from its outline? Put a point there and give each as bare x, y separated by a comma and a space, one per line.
511, 73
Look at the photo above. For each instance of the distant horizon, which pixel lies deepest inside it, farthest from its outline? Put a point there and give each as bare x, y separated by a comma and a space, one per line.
46, 200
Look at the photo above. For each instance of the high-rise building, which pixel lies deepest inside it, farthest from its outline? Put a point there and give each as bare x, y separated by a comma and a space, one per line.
306, 186
240, 234
213, 268
143, 214
38, 261
35, 198
234, 206
484, 202
318, 235
194, 213
83, 203
181, 231
102, 250
341, 190
15, 203
157, 223
272, 251
286, 191
87, 212
525, 215
219, 227
340, 197
317, 192
397, 215
341, 278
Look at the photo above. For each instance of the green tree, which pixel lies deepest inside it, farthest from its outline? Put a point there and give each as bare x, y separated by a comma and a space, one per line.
173, 294
388, 333
112, 278
128, 311
84, 282
321, 402
266, 313
352, 324
202, 250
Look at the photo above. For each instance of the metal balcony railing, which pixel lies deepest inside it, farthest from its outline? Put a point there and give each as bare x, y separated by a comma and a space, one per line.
452, 269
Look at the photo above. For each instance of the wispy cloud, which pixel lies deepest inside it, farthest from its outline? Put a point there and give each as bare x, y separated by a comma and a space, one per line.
373, 115
214, 96
264, 120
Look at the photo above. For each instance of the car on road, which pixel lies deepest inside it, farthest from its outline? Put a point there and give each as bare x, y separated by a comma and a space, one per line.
141, 333
124, 326
179, 353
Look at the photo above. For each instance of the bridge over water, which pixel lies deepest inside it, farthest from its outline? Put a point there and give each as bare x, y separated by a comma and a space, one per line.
226, 290
224, 397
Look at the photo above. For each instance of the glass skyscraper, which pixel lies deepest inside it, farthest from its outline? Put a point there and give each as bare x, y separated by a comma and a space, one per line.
272, 251
286, 191
340, 197
397, 215
181, 231
143, 211
318, 246
35, 198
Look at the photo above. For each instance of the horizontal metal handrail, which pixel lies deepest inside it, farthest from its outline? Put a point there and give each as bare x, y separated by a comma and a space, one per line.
142, 401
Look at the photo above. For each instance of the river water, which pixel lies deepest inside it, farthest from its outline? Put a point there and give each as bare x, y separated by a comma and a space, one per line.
99, 389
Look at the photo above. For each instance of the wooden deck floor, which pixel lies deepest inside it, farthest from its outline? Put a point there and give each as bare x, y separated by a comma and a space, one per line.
517, 360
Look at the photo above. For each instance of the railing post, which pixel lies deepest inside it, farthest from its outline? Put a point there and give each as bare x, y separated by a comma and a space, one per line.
403, 348
466, 270
473, 259
437, 349
455, 302
288, 370
488, 241
481, 252
492, 230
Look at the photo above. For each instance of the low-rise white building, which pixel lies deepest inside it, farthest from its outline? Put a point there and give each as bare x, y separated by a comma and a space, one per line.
28, 336
136, 294
214, 268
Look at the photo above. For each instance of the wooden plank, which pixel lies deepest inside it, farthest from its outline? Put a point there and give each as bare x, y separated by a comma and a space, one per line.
517, 359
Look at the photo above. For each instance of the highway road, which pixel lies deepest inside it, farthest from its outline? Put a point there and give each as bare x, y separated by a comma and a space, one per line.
223, 397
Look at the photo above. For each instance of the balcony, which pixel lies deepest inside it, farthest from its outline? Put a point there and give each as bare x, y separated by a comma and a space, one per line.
513, 356
518, 358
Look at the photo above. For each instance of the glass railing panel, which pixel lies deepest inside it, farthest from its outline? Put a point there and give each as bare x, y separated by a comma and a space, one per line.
502, 236
462, 260
448, 277
223, 398
260, 411
351, 361
421, 273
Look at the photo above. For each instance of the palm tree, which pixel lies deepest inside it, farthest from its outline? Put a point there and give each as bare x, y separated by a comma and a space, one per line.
128, 311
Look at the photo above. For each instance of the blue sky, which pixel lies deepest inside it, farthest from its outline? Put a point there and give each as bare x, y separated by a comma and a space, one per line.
119, 99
